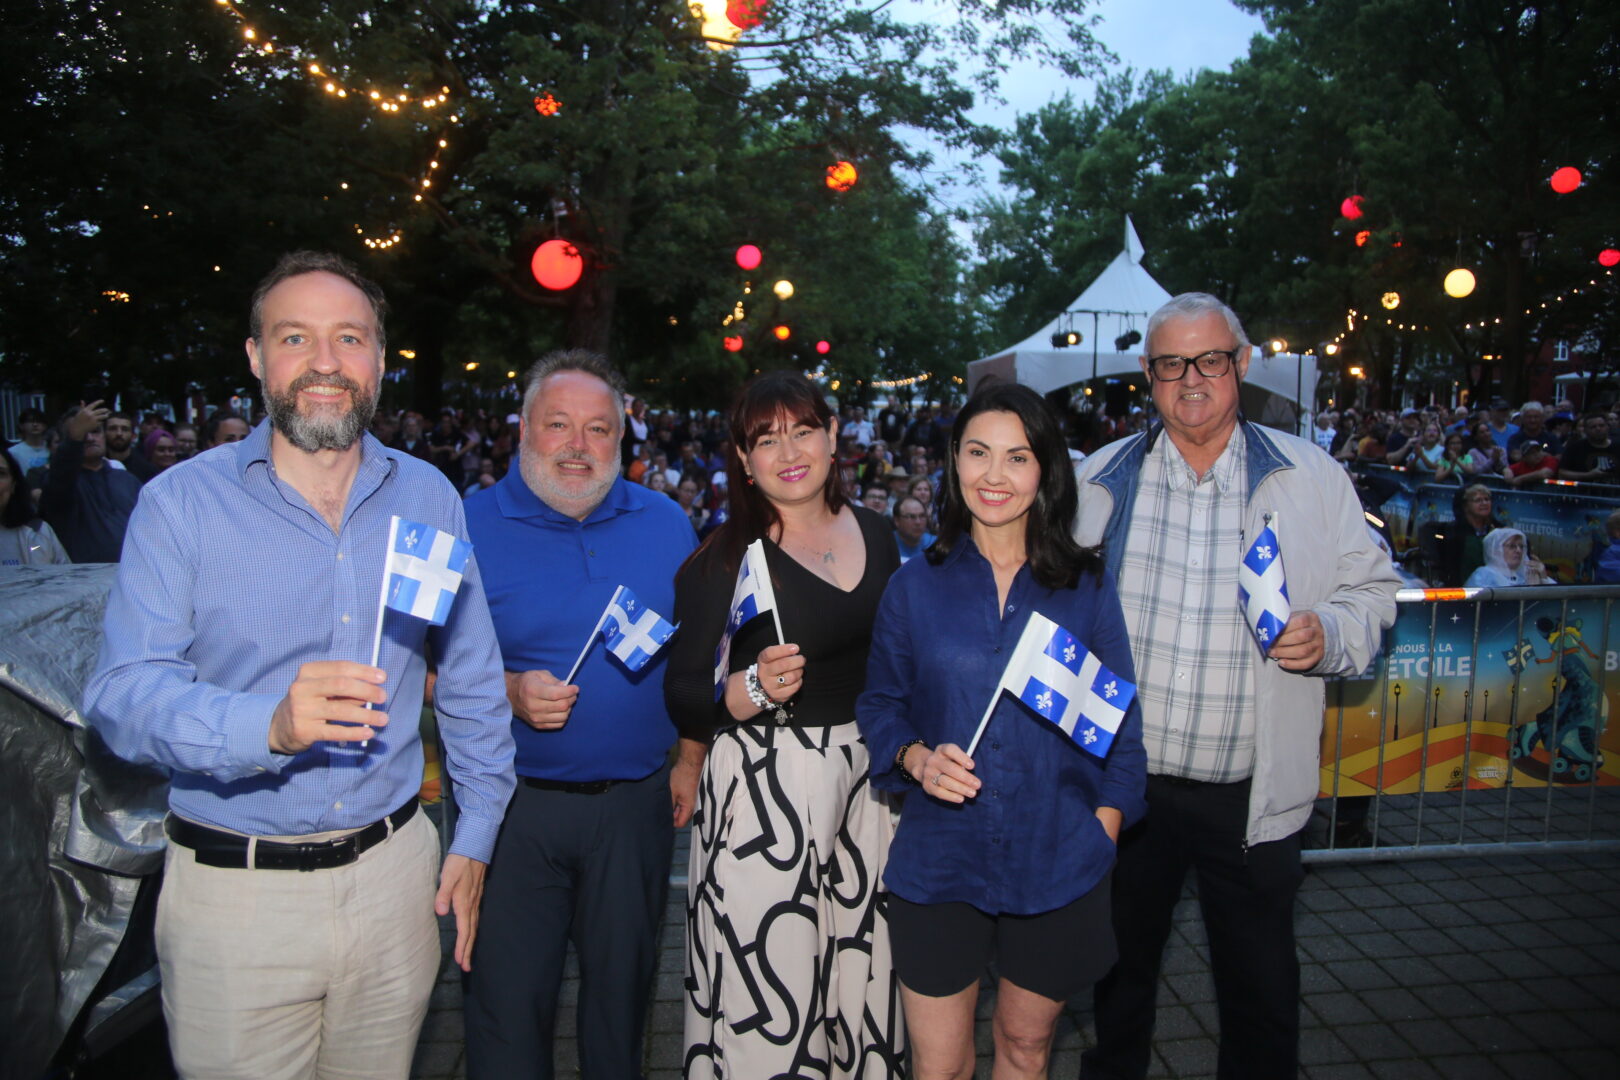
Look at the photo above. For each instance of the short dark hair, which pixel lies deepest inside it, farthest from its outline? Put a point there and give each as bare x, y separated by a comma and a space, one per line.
1056, 560
210, 428
293, 264
19, 508
31, 413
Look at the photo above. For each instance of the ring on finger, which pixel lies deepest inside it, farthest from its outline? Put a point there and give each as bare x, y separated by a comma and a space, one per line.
781, 680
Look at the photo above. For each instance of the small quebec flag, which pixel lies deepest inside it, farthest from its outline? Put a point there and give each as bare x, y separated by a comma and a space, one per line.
424, 570
632, 630
1261, 587
752, 597
1055, 676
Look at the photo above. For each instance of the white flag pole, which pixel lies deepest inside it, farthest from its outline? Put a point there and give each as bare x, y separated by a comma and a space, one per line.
764, 570
382, 603
983, 722
597, 629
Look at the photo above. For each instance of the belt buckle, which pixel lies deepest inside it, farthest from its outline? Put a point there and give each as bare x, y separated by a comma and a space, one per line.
326, 856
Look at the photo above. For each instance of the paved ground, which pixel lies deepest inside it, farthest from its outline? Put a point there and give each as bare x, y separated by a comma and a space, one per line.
1469, 968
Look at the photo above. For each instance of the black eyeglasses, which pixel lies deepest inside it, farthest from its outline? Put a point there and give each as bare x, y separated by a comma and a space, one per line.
1211, 365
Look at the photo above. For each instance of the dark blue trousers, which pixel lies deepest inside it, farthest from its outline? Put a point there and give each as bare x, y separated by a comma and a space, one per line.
591, 869
1246, 896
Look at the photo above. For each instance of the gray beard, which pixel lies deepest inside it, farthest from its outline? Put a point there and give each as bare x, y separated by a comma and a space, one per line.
312, 433
529, 465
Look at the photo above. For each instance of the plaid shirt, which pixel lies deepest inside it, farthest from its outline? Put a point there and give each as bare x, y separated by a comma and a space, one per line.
1179, 589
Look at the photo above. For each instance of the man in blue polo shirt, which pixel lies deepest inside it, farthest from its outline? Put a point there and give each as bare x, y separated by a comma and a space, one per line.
585, 850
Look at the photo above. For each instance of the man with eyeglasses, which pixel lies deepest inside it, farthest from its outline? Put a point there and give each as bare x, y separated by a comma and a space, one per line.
1232, 729
911, 528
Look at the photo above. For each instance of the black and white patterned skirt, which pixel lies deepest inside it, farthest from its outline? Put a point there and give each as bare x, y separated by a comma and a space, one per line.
788, 971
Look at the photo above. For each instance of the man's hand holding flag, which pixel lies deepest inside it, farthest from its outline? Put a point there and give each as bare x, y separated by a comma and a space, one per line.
1293, 639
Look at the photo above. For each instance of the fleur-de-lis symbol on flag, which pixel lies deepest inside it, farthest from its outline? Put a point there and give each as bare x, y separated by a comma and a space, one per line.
1264, 551
1111, 689
398, 584
1043, 701
411, 539
736, 617
1089, 735
1068, 653
1262, 633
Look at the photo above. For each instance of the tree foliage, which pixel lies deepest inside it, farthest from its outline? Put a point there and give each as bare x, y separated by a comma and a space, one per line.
157, 141
1446, 116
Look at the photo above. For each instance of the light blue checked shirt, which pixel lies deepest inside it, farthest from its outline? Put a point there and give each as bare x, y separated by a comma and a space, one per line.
230, 582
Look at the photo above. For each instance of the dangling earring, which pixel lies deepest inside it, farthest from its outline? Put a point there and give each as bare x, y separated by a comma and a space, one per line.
750, 481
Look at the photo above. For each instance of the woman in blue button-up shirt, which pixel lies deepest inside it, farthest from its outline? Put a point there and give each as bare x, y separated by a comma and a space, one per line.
1006, 855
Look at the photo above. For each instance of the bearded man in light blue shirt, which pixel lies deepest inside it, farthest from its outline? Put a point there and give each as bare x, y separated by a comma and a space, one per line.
296, 928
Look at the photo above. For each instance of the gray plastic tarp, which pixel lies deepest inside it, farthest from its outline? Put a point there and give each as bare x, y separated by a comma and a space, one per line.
78, 827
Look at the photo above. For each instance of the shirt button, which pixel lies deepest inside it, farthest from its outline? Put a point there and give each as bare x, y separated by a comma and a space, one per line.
1012, 607
995, 746
340, 556
1195, 562
337, 806
998, 648
1181, 674
345, 618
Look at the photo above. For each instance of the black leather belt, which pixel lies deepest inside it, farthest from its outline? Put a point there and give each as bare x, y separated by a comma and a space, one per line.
1189, 782
230, 851
579, 787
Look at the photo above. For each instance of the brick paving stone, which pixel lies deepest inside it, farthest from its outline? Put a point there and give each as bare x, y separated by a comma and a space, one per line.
1531, 1065
1328, 947
1422, 942
1340, 1007
1413, 971
1374, 1042
1189, 1057
1516, 963
1416, 1069
1399, 917
1593, 1064
1452, 1000
1351, 1071
1192, 987
1443, 916
1361, 974
1397, 1003
1469, 1067
1489, 1033
1431, 1038
1177, 1022
1380, 945
1321, 1046
1316, 978
1350, 922
1559, 1031
1310, 924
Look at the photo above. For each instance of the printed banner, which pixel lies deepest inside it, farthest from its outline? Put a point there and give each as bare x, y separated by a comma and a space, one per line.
1525, 703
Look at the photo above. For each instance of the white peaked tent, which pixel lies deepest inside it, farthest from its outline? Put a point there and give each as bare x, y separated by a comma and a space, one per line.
1278, 391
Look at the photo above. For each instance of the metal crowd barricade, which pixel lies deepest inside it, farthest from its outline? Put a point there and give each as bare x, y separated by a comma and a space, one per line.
1480, 729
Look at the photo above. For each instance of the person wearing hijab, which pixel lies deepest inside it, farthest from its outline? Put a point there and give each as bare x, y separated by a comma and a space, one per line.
1507, 563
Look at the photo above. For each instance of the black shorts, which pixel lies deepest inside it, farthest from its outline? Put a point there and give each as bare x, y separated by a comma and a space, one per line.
941, 949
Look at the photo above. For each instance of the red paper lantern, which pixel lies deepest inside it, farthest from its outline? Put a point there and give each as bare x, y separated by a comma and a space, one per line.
1351, 207
547, 105
748, 257
746, 14
1565, 180
1609, 257
733, 344
1362, 237
782, 333
841, 176
823, 348
557, 265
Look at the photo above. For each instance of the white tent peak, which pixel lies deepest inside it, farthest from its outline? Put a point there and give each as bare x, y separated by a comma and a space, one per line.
1117, 301
1133, 243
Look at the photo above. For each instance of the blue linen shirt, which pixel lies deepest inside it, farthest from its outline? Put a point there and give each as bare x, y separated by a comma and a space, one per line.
549, 578
1029, 842
230, 581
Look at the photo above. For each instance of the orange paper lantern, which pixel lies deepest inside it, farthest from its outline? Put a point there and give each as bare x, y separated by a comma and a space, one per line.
547, 105
746, 14
557, 265
782, 333
1362, 237
841, 176
823, 348
733, 344
1351, 207
1609, 257
748, 257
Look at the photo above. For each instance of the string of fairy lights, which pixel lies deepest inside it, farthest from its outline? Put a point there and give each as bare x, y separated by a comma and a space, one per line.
391, 101
1354, 317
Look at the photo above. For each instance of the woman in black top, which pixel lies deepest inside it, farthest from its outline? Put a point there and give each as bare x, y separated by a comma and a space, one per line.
788, 970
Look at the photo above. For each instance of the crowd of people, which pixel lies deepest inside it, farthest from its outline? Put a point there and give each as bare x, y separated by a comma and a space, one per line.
1461, 445
860, 854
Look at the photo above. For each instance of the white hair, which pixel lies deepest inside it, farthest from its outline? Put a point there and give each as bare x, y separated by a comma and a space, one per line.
1191, 305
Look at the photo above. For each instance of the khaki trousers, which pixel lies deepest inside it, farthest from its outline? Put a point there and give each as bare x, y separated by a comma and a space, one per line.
271, 974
